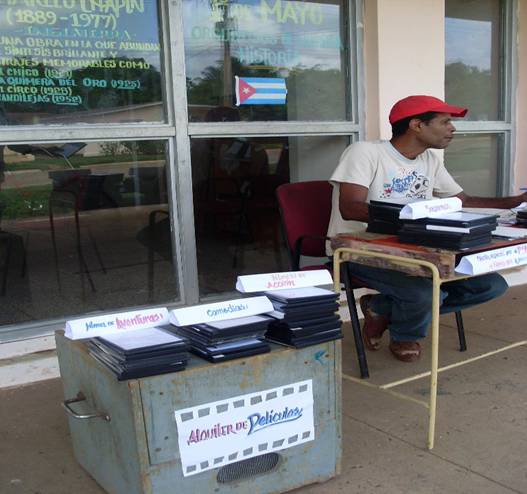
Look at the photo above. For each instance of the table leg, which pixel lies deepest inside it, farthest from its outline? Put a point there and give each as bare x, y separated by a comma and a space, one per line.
434, 359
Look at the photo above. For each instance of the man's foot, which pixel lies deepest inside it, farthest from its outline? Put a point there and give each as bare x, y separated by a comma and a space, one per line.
374, 324
407, 351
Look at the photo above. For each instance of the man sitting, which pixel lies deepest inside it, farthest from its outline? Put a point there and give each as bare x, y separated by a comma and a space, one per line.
405, 167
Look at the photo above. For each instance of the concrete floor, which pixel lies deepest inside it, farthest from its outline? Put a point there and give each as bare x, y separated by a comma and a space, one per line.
481, 439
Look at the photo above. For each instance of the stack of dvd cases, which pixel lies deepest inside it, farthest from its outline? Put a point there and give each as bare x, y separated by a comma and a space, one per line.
456, 231
228, 339
140, 352
521, 218
383, 217
304, 316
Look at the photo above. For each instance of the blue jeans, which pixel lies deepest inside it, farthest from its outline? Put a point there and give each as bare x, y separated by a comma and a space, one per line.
407, 300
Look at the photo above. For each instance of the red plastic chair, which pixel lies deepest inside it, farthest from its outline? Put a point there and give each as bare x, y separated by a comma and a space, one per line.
305, 209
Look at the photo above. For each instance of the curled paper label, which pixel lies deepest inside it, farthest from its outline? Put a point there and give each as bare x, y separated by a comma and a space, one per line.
493, 260
433, 208
90, 327
219, 311
281, 281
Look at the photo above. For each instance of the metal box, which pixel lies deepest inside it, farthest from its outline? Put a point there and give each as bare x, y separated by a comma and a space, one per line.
137, 452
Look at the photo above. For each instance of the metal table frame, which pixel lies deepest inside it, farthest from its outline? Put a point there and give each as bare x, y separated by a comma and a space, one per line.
344, 254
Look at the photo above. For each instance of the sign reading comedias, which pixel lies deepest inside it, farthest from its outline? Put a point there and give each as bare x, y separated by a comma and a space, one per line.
69, 56
234, 429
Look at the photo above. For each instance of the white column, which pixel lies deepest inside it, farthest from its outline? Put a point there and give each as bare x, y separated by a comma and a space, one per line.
408, 50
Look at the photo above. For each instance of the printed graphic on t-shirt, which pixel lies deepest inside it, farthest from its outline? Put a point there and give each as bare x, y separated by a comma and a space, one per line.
407, 183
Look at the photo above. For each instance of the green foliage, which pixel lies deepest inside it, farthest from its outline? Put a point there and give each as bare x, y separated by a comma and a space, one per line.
149, 91
472, 88
23, 202
317, 93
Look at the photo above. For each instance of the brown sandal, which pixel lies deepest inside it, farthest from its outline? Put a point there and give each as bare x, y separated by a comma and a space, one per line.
374, 325
406, 351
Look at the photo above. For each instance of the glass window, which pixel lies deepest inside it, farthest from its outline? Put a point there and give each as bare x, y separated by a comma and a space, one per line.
84, 227
474, 57
89, 62
237, 221
258, 60
473, 162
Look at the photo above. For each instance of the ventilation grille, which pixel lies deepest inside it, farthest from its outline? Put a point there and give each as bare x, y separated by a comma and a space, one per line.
248, 468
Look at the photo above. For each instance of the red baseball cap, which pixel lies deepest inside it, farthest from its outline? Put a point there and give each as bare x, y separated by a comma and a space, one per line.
415, 105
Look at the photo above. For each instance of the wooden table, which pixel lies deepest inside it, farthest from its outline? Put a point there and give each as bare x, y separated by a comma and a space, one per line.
386, 251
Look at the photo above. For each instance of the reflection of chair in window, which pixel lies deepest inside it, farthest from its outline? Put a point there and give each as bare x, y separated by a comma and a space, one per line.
8, 240
147, 184
66, 194
9, 243
82, 190
156, 238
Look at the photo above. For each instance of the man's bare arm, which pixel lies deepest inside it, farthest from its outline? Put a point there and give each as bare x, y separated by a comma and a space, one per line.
352, 202
491, 202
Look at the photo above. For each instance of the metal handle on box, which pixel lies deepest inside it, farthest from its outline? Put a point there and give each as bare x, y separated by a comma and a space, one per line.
80, 397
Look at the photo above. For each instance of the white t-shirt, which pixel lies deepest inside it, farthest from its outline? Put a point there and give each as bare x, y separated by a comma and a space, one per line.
388, 175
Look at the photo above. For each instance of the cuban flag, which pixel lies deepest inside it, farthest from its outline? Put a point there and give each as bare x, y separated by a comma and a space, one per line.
260, 91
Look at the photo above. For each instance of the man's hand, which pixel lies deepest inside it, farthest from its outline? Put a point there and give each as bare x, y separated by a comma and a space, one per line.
352, 202
492, 202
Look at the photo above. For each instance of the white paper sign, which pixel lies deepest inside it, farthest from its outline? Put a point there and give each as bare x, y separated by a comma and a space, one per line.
279, 281
234, 429
90, 327
493, 260
220, 311
430, 209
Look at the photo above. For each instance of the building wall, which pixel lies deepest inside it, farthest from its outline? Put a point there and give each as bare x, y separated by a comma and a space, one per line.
404, 54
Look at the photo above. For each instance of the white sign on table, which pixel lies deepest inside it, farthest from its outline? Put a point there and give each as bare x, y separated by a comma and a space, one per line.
281, 281
432, 208
234, 429
90, 327
493, 260
219, 311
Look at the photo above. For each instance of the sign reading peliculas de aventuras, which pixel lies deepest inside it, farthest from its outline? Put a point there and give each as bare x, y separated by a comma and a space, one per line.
222, 432
67, 56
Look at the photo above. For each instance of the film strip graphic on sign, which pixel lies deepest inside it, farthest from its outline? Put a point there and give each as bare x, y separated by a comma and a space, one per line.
234, 429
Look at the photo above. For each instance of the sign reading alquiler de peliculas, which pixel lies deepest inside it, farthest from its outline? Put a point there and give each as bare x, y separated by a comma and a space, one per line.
222, 432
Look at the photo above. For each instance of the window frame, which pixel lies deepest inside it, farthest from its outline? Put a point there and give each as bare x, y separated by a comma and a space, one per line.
505, 129
177, 131
354, 127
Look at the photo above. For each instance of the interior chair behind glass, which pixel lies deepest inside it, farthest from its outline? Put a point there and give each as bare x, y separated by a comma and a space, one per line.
305, 209
9, 242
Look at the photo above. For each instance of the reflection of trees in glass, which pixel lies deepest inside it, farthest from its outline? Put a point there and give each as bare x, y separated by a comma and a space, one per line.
319, 93
321, 88
208, 90
110, 148
98, 97
149, 90
150, 148
136, 149
471, 87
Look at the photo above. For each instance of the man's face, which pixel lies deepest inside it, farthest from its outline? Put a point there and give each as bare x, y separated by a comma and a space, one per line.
438, 132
